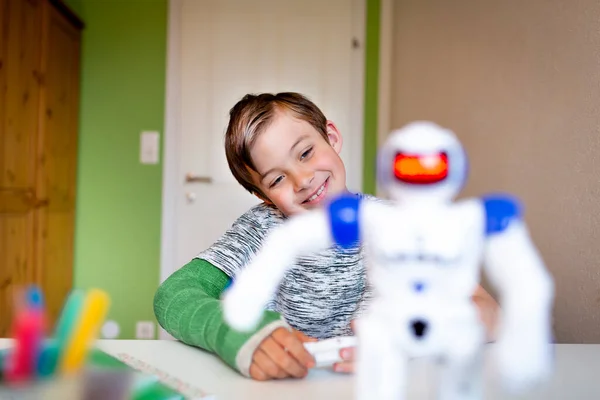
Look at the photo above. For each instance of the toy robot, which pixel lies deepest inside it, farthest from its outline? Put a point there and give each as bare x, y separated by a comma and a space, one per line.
422, 253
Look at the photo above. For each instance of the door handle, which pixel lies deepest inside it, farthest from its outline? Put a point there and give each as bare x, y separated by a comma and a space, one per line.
191, 178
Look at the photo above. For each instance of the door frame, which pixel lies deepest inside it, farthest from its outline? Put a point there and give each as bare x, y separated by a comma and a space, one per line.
384, 88
172, 131
171, 141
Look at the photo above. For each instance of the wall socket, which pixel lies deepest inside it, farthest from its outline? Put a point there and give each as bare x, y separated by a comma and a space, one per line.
144, 330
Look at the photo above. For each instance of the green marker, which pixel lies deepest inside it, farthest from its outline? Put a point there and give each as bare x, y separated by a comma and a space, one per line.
48, 359
64, 329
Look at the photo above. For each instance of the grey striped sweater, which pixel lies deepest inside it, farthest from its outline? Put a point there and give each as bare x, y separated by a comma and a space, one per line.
319, 296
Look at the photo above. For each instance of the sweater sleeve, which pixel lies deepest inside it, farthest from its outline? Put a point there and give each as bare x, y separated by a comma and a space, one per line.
188, 307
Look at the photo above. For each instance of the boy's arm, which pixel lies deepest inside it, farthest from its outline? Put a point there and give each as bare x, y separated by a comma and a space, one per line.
488, 311
187, 306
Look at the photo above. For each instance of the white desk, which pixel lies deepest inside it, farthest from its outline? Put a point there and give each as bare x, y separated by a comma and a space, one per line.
577, 374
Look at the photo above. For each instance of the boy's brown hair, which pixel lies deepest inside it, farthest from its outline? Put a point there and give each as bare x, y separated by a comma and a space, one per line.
251, 116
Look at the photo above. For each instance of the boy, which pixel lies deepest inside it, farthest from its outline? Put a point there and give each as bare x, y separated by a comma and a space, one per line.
282, 149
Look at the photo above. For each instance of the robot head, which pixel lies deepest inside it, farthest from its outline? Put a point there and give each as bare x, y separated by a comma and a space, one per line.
422, 162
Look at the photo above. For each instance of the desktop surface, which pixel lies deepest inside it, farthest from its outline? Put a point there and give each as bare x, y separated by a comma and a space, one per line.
200, 375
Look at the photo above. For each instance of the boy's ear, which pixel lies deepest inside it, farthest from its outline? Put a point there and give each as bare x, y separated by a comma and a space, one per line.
335, 137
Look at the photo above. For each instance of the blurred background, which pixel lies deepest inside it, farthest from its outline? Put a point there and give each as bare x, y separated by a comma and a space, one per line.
112, 114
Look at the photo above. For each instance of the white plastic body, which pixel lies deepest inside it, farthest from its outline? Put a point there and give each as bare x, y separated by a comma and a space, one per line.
440, 245
327, 352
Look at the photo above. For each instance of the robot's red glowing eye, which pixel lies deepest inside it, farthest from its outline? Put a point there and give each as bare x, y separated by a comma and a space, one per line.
421, 169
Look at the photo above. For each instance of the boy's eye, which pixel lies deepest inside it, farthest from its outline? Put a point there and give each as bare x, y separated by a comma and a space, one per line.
276, 181
306, 153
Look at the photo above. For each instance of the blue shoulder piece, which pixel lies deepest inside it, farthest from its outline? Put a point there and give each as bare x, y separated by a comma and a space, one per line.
343, 218
500, 210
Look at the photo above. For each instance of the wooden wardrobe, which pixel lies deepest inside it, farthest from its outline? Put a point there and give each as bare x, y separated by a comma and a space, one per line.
39, 99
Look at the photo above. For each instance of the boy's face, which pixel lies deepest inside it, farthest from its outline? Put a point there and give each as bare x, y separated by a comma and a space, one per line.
297, 168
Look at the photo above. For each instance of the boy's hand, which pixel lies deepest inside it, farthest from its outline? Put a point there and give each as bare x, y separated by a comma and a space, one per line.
347, 354
282, 355
346, 366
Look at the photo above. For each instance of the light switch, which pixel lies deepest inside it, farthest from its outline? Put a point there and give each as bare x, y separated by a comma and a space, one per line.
149, 147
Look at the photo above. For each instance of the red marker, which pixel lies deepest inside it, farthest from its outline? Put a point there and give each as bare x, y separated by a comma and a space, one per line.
28, 332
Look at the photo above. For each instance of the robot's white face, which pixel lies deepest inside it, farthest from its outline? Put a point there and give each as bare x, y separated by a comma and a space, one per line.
422, 162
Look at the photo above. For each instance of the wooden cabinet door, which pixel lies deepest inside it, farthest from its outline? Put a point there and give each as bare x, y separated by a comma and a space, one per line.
56, 180
39, 85
19, 128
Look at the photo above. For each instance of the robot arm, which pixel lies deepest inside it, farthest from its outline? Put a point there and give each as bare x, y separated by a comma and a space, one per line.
312, 231
526, 291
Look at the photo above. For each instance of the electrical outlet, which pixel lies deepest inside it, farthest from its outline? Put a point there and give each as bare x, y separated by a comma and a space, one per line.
144, 330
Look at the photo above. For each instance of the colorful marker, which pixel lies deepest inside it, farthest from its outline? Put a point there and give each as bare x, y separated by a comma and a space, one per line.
65, 328
46, 365
93, 312
28, 331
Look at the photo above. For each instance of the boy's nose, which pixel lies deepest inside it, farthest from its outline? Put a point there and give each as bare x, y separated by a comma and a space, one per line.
303, 180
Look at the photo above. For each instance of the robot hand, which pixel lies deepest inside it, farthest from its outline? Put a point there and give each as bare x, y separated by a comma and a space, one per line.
251, 290
524, 361
523, 349
243, 307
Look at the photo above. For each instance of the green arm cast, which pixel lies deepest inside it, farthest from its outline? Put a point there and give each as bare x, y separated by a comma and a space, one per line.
187, 306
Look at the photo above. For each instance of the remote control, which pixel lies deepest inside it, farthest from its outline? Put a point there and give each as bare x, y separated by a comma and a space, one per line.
327, 352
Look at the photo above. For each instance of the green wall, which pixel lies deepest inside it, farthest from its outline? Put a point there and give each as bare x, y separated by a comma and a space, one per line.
371, 96
76, 6
117, 243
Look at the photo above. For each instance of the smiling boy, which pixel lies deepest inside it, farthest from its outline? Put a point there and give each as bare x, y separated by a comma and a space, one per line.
281, 148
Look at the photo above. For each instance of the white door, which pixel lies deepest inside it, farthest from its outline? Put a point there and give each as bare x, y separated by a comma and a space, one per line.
219, 50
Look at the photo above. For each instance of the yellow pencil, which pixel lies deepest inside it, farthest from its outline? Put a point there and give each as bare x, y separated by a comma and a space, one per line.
92, 315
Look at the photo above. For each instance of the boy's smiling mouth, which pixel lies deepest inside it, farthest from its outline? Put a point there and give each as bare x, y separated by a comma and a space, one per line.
318, 195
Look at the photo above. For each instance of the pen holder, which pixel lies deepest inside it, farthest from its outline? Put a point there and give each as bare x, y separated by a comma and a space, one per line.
35, 357
66, 366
